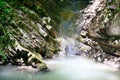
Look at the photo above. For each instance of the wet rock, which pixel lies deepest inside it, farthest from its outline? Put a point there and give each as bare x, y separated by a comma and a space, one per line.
34, 65
42, 67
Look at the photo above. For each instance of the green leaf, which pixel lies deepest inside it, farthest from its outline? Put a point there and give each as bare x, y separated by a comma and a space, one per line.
2, 5
3, 55
7, 10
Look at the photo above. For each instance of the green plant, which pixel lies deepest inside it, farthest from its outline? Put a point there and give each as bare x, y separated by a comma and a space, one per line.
5, 18
2, 56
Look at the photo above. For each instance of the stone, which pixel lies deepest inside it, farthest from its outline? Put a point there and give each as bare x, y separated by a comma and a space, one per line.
49, 54
110, 0
42, 67
114, 28
42, 32
48, 27
112, 7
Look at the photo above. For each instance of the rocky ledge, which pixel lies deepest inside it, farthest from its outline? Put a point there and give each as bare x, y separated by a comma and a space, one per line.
99, 23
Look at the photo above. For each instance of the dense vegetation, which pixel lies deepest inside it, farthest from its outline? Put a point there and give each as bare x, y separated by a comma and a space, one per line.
9, 19
5, 19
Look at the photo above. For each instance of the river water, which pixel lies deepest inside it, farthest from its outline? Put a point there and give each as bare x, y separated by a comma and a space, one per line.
67, 66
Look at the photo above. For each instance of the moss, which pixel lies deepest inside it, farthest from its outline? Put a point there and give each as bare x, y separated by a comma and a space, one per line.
32, 16
42, 67
24, 27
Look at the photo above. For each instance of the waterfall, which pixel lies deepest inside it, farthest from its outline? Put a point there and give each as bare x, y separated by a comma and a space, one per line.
70, 46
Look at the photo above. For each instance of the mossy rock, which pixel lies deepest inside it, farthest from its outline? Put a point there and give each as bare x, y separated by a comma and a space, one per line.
49, 54
42, 67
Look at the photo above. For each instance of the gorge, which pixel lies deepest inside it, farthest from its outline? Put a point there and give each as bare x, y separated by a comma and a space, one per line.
64, 40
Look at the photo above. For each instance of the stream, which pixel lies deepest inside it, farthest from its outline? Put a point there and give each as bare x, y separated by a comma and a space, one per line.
67, 65
65, 68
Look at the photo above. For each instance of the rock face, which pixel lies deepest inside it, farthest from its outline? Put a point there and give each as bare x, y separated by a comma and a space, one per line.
88, 14
101, 21
33, 33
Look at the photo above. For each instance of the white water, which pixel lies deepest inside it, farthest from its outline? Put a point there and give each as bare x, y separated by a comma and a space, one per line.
70, 46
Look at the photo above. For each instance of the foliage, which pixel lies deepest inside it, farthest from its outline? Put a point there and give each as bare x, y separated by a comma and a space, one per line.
5, 18
2, 56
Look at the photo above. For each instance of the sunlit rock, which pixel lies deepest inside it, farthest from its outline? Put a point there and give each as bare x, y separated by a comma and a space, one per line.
46, 20
48, 27
83, 33
42, 32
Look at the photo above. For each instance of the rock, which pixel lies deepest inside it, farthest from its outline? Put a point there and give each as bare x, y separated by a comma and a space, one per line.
110, 1
46, 20
30, 32
114, 28
112, 7
42, 67
83, 33
52, 48
34, 65
49, 54
25, 68
48, 27
42, 32
101, 23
